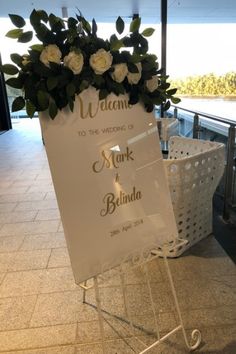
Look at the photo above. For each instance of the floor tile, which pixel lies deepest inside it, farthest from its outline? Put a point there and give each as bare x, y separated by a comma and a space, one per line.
210, 317
37, 337
24, 260
15, 313
44, 241
58, 279
22, 283
52, 350
22, 197
224, 289
197, 295
49, 350
59, 258
7, 207
36, 205
20, 216
2, 275
43, 188
60, 228
118, 326
59, 308
12, 190
50, 196
11, 243
31, 227
50, 214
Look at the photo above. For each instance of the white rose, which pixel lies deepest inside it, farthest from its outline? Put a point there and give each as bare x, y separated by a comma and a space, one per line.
120, 72
101, 61
74, 61
152, 84
134, 78
50, 53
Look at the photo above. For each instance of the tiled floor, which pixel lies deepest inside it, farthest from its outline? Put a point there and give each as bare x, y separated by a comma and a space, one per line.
41, 309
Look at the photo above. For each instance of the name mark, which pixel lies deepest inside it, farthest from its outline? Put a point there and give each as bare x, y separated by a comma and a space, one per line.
112, 159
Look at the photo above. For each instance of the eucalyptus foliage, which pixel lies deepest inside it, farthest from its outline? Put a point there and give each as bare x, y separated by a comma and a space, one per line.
55, 86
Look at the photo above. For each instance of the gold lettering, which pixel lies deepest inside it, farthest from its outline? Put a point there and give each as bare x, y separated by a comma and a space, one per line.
115, 105
105, 105
110, 205
90, 112
112, 159
110, 105
112, 202
120, 105
105, 163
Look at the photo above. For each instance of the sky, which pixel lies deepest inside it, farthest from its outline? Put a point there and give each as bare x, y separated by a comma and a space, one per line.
192, 49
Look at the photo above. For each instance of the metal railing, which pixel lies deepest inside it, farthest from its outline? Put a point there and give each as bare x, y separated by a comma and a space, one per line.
230, 162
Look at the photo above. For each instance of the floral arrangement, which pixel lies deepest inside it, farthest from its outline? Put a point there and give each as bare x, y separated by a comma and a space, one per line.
71, 57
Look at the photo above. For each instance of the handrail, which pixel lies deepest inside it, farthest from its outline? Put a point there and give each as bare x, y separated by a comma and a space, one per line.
206, 115
228, 188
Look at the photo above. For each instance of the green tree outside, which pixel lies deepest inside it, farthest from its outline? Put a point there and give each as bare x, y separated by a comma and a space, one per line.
207, 85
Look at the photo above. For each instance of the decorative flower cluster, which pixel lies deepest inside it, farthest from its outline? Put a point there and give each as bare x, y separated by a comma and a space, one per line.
71, 57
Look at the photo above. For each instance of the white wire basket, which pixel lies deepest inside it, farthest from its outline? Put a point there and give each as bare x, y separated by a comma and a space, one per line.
194, 169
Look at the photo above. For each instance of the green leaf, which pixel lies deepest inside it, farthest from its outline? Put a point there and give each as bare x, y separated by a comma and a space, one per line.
135, 24
52, 82
132, 68
148, 32
18, 104
94, 27
86, 25
56, 23
120, 25
30, 108
53, 109
34, 18
98, 79
103, 94
136, 58
42, 100
71, 105
15, 82
16, 58
72, 22
171, 91
15, 33
84, 85
18, 21
167, 106
175, 100
43, 15
25, 37
70, 89
116, 45
149, 107
37, 47
9, 69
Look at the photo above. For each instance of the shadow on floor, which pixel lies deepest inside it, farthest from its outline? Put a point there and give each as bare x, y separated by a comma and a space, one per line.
225, 233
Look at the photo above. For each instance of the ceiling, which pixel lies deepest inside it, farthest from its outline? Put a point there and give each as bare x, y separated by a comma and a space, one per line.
179, 11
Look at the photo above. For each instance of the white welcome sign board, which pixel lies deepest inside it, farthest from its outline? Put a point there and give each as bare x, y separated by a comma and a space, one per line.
110, 183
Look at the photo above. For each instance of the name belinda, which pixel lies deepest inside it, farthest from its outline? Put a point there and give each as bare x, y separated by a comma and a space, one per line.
112, 202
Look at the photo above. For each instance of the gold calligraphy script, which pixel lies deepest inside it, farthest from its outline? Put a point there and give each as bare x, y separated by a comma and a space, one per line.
112, 202
112, 159
91, 109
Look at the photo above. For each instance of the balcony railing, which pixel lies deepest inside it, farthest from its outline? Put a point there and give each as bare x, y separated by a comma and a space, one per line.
200, 120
